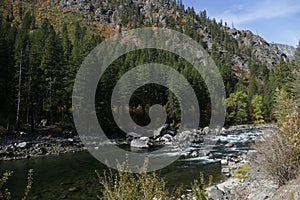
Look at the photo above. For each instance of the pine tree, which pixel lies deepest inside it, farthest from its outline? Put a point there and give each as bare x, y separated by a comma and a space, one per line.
7, 89
252, 88
50, 66
296, 70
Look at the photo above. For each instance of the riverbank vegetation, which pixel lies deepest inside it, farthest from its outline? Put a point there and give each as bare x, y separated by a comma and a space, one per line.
279, 152
5, 193
149, 186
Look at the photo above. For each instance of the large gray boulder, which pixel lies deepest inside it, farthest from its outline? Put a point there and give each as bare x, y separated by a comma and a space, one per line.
215, 194
140, 143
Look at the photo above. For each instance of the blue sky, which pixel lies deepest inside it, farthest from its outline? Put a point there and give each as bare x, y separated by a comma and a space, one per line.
275, 20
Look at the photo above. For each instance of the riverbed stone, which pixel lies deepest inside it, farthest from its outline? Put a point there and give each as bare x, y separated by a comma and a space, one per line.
215, 194
229, 145
167, 138
22, 145
224, 162
206, 130
194, 154
225, 170
140, 143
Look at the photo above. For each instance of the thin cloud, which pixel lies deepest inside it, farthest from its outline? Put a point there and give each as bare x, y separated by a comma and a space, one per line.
240, 14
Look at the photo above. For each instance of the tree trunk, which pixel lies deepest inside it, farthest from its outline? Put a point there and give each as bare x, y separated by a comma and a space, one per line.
19, 95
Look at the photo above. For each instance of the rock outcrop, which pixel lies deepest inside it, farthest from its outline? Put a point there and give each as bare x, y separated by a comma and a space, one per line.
289, 51
250, 45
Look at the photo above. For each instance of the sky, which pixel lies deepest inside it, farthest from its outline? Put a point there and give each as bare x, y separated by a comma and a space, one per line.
277, 21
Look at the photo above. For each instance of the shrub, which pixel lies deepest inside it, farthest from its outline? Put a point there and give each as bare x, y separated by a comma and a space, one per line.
4, 192
279, 152
128, 186
278, 156
199, 188
146, 186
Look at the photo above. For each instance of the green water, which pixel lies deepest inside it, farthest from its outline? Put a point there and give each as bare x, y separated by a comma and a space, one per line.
55, 175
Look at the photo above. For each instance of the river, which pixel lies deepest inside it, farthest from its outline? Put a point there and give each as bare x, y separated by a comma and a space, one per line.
72, 176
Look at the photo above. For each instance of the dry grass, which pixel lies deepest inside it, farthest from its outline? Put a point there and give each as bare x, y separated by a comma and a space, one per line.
279, 157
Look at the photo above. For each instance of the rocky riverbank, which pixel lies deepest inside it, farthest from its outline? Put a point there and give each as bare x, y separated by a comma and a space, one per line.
246, 180
12, 148
45, 143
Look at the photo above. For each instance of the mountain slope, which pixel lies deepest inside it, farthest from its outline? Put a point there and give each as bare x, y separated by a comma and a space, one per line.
112, 15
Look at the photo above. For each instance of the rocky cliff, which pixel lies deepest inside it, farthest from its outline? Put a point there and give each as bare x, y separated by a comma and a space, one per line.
289, 51
113, 16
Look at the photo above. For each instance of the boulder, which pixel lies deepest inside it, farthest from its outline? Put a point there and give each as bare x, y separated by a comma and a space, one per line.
224, 162
206, 130
171, 132
157, 132
223, 131
225, 170
194, 154
215, 194
22, 145
131, 136
167, 138
140, 143
163, 131
229, 145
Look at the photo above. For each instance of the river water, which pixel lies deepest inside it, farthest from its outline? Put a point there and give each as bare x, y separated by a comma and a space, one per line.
56, 176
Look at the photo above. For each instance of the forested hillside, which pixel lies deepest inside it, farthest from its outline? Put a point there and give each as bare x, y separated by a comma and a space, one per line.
43, 43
